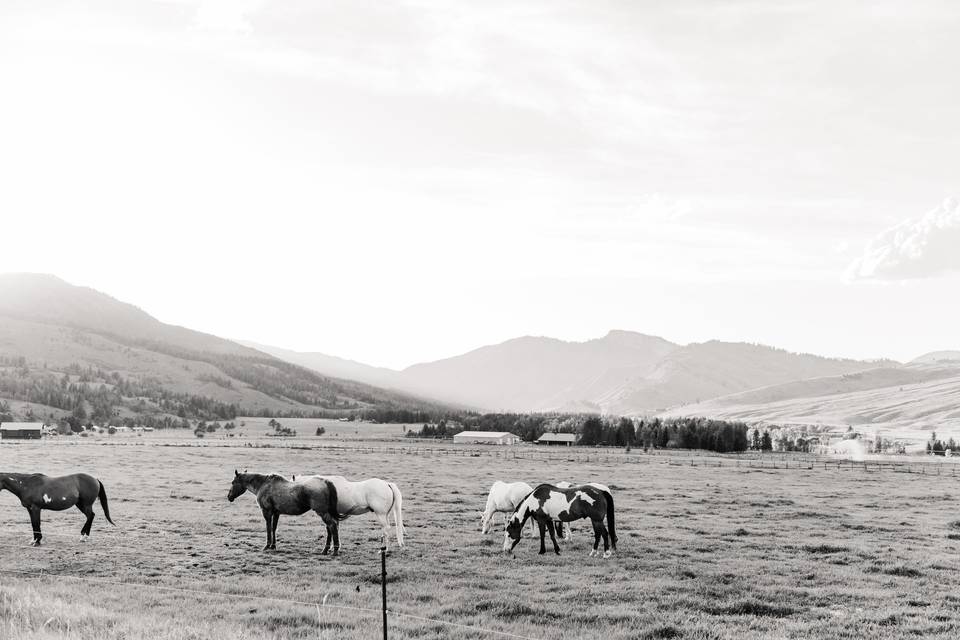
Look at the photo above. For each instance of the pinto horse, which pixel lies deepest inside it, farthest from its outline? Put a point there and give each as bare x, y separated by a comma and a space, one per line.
563, 533
503, 498
278, 496
549, 503
37, 492
379, 496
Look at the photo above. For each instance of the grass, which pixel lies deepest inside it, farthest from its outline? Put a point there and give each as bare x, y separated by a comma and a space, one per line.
716, 553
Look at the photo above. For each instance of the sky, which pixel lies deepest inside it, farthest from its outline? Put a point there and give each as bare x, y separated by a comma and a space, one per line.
401, 182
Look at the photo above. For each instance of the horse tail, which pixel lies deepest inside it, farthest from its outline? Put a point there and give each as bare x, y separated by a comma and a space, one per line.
397, 510
103, 503
611, 520
333, 502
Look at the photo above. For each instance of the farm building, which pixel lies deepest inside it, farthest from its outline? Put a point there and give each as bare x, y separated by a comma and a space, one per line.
562, 439
21, 430
485, 437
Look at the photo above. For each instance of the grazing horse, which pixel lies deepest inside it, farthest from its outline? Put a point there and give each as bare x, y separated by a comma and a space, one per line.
379, 496
563, 533
503, 498
37, 492
278, 496
549, 503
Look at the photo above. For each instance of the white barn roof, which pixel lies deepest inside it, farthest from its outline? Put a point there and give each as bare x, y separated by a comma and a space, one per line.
484, 434
21, 426
558, 437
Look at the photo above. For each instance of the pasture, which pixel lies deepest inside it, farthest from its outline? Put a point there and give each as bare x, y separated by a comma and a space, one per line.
704, 552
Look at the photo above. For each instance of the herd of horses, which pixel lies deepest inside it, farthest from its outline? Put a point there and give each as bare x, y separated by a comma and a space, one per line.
335, 498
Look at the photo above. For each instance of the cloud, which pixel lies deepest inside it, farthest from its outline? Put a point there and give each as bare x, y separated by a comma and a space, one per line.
916, 248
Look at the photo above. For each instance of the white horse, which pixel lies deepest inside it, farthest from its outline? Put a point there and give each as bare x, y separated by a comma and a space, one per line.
379, 496
563, 533
503, 498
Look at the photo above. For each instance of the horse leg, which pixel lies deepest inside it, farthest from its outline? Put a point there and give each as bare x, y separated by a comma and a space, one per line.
268, 518
553, 536
332, 536
561, 532
606, 541
85, 531
276, 521
326, 546
596, 537
35, 524
543, 531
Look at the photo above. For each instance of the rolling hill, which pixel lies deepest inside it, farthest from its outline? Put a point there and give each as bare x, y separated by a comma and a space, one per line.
908, 401
64, 347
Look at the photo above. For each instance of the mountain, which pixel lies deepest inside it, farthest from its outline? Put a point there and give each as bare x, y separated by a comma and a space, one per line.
64, 347
536, 373
621, 373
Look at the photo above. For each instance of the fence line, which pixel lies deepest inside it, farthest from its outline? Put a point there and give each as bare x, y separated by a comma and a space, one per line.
37, 575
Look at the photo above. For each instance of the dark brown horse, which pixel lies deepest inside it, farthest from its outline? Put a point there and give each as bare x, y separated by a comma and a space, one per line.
278, 496
37, 492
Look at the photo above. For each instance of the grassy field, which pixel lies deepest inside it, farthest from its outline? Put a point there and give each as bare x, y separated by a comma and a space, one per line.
704, 553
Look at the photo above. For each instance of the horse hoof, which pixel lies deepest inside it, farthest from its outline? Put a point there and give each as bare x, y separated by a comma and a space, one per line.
556, 551
36, 543
607, 554
592, 553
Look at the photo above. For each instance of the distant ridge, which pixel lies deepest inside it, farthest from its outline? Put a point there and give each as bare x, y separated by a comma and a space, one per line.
623, 372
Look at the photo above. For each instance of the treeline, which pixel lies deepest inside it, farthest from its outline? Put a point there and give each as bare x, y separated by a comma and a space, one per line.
681, 433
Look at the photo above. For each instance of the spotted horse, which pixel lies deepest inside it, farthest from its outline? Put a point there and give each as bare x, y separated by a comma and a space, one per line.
549, 503
37, 492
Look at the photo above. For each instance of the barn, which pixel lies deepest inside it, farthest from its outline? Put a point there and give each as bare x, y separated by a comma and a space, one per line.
21, 430
485, 437
560, 439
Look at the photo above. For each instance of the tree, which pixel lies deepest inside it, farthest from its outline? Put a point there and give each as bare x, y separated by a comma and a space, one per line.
766, 443
592, 431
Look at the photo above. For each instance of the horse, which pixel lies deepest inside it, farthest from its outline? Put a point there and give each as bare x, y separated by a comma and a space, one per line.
563, 533
503, 498
37, 492
549, 503
278, 496
379, 496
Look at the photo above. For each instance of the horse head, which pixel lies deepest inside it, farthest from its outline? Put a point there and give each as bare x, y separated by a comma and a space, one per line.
238, 486
511, 537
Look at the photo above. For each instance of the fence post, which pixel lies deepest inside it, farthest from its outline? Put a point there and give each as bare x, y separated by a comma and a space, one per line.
383, 587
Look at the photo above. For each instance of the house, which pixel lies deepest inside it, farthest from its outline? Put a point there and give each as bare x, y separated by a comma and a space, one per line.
21, 430
561, 439
485, 437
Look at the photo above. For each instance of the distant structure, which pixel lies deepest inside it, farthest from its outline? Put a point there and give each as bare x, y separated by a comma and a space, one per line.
21, 430
485, 437
561, 439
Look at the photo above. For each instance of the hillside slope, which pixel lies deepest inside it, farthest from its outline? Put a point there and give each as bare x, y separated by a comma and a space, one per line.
905, 400
63, 346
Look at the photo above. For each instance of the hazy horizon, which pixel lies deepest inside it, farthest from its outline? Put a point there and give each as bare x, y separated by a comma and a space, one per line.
401, 184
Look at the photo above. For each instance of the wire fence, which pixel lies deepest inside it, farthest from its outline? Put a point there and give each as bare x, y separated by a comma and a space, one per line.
923, 465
